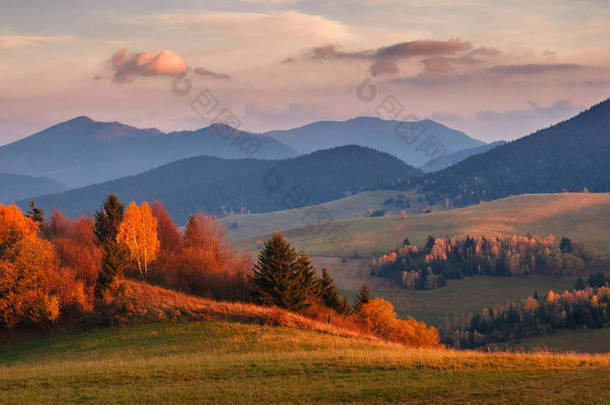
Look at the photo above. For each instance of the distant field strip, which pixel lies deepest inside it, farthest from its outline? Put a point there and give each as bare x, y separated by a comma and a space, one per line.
584, 217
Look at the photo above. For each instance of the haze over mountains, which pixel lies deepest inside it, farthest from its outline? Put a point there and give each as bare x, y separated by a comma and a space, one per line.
221, 186
569, 156
81, 151
16, 186
383, 135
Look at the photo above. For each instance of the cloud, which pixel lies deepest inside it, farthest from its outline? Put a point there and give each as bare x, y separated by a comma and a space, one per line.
128, 66
532, 68
213, 75
385, 59
9, 41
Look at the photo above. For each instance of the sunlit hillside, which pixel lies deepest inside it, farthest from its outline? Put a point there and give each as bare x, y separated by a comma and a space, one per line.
584, 217
211, 361
244, 225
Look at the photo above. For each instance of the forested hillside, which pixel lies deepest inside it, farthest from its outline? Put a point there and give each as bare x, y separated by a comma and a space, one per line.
222, 186
571, 155
15, 187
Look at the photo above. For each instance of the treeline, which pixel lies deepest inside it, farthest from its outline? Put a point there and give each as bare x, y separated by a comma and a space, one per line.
284, 278
61, 267
447, 258
569, 156
58, 268
534, 316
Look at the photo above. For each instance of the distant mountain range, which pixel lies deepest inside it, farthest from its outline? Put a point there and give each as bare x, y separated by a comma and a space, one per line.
569, 156
409, 141
451, 159
223, 186
82, 151
15, 187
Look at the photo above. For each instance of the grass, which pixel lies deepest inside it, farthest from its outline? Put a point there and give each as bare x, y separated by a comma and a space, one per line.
587, 341
228, 362
469, 295
584, 217
349, 207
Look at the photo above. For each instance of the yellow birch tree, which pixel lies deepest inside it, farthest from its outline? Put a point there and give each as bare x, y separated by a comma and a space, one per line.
138, 233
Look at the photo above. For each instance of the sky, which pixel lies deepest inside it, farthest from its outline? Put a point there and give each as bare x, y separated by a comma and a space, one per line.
493, 69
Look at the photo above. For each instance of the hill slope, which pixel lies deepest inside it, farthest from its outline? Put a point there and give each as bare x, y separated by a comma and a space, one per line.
456, 157
584, 217
220, 186
16, 187
570, 155
82, 151
377, 134
224, 362
241, 226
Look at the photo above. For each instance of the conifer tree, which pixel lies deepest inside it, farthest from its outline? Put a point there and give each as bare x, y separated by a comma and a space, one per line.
107, 221
112, 268
430, 243
344, 307
35, 214
305, 288
275, 276
364, 297
328, 291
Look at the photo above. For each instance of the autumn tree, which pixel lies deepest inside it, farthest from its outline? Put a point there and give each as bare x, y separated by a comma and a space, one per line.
26, 262
35, 214
138, 234
378, 316
170, 238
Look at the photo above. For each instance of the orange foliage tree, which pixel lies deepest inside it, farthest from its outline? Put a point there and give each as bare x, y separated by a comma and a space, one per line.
202, 261
26, 262
378, 315
138, 233
79, 258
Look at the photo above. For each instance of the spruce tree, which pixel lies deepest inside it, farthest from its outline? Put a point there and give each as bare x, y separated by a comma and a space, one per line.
107, 221
277, 276
305, 288
344, 307
364, 297
566, 245
35, 214
328, 291
112, 268
430, 243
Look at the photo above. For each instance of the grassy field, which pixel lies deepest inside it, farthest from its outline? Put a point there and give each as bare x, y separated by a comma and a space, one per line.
584, 217
349, 207
469, 295
589, 341
224, 362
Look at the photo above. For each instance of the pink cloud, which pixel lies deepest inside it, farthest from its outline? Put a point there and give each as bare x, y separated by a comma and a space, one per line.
128, 66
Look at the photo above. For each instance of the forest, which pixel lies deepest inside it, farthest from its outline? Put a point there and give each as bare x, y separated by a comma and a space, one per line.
534, 316
575, 158
448, 258
63, 271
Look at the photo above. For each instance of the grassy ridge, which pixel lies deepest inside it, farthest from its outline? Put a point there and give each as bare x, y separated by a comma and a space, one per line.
584, 217
222, 362
349, 207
